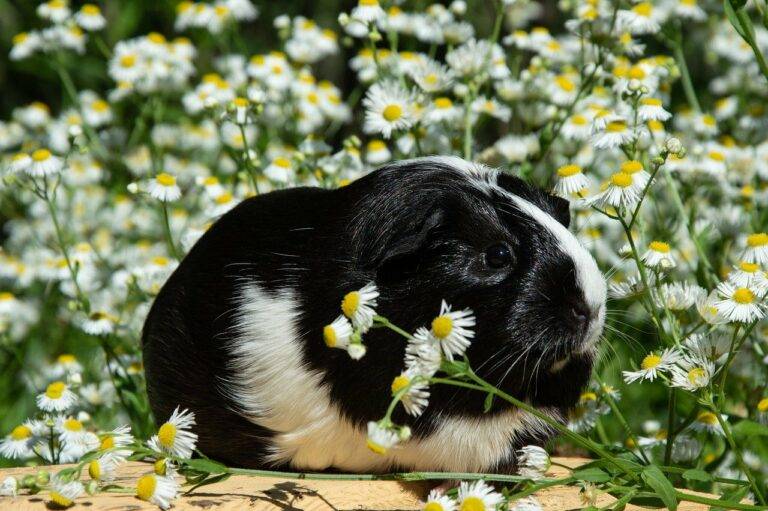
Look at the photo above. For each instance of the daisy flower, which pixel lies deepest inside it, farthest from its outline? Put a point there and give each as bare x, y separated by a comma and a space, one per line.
422, 354
643, 18
615, 134
416, 397
749, 275
431, 76
709, 311
44, 163
689, 9
652, 365
104, 468
651, 109
452, 331
20, 162
377, 152
438, 501
620, 190
442, 109
533, 462
576, 127
757, 248
99, 323
570, 180
280, 170
739, 304
707, 421
658, 256
18, 443
157, 489
71, 430
175, 437
381, 439
117, 438
367, 11
337, 334
692, 373
358, 306
635, 169
478, 496
164, 188
63, 493
9, 487
56, 398
89, 17
679, 296
388, 108
529, 503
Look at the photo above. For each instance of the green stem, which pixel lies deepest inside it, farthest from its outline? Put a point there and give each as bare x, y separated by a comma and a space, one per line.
167, 230
739, 458
685, 76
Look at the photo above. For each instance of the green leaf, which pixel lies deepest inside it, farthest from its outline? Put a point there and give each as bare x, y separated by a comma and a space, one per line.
488, 403
730, 13
207, 466
592, 475
695, 474
655, 478
750, 428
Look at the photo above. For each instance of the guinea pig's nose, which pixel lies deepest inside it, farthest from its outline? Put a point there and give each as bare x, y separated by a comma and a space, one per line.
579, 311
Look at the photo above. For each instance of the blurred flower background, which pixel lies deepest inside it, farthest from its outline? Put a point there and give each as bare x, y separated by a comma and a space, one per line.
128, 127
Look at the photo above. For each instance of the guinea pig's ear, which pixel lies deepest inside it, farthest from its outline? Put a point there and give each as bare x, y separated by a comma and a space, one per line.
402, 245
561, 209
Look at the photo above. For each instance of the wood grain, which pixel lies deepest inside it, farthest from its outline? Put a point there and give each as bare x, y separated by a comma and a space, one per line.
273, 494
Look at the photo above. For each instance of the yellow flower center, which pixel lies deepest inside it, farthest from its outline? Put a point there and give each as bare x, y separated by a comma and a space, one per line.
165, 179
282, 162
66, 358
41, 155
399, 383
621, 179
128, 60
651, 101
156, 37
565, 83
472, 504
579, 120
90, 9
392, 113
60, 500
73, 425
350, 303
743, 296
568, 170
433, 506
588, 396
145, 487
443, 103
716, 155
637, 73
631, 166
160, 261
442, 326
107, 442
696, 374
762, 406
161, 467
21, 432
329, 336
94, 469
616, 127
373, 446
643, 9
376, 145
166, 435
650, 361
748, 267
20, 38
369, 3
659, 246
100, 105
708, 120
55, 390
240, 102
708, 418
757, 240
224, 198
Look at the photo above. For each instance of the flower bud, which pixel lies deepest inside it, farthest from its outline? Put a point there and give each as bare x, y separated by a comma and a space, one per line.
634, 85
459, 7
42, 477
673, 145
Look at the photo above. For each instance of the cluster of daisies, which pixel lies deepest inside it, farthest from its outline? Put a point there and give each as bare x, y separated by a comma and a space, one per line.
63, 432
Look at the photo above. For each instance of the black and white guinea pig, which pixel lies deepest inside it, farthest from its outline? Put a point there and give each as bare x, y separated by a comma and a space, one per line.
235, 334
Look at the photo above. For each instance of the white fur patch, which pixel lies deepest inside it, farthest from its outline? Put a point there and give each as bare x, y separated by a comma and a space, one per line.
278, 391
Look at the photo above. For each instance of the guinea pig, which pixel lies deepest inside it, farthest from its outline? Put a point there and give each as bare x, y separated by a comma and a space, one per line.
235, 334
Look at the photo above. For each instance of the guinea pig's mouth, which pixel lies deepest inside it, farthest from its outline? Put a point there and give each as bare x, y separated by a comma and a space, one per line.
585, 349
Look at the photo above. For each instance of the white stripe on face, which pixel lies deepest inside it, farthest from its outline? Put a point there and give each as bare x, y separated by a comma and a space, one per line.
588, 275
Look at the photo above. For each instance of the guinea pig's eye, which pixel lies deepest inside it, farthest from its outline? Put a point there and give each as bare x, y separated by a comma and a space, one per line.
498, 256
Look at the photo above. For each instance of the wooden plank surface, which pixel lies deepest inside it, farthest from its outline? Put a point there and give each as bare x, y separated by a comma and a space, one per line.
272, 494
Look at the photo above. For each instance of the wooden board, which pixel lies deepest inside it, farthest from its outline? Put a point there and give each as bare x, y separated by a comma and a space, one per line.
272, 494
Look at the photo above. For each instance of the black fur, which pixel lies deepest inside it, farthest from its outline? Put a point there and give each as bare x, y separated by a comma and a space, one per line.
419, 230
